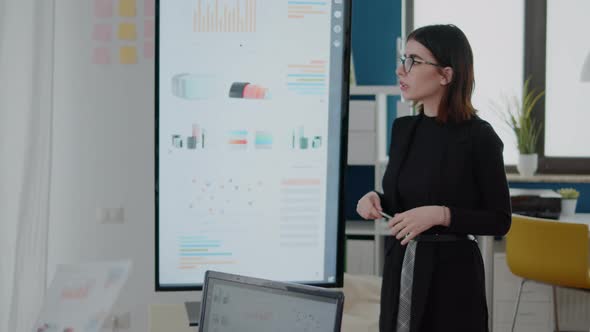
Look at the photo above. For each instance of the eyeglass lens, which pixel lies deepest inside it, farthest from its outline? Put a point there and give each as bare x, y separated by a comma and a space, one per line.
407, 62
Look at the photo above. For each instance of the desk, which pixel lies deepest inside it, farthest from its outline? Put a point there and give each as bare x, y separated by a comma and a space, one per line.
578, 218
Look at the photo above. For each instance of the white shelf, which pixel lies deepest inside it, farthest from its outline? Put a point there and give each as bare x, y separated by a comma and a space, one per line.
360, 227
377, 159
549, 178
391, 90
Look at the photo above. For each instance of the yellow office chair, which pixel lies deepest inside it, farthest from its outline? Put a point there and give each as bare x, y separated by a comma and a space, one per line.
552, 252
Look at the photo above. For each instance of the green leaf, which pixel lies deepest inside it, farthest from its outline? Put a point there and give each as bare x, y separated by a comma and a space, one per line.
517, 114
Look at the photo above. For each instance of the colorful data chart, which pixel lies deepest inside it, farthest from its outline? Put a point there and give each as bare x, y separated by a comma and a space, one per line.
308, 78
193, 86
199, 251
263, 140
299, 141
238, 140
194, 141
224, 16
303, 9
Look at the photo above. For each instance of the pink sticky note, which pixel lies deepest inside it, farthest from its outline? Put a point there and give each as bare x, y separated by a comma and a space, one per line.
148, 50
103, 8
149, 8
148, 29
102, 32
101, 56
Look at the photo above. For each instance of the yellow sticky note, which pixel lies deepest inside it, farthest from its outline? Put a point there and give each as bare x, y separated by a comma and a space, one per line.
128, 55
127, 31
127, 8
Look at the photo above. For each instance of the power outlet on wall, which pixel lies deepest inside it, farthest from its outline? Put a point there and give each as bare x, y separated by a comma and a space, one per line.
110, 215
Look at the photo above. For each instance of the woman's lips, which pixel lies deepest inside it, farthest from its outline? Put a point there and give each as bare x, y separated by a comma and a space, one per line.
403, 86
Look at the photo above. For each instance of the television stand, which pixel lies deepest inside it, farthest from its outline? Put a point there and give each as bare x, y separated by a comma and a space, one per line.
193, 312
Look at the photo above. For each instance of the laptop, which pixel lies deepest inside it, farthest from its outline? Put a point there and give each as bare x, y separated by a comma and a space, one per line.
238, 303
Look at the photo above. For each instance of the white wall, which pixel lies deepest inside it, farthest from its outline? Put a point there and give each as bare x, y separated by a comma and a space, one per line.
13, 138
12, 145
103, 158
495, 30
566, 100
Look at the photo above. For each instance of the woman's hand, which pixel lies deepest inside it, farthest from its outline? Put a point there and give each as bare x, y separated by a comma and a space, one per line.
409, 224
369, 206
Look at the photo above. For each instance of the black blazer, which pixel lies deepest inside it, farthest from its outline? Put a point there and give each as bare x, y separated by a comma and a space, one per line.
448, 288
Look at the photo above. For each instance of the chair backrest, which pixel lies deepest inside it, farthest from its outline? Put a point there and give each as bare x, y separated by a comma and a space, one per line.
548, 251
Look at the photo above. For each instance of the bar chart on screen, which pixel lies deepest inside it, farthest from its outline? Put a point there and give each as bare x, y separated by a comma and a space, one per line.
224, 16
199, 251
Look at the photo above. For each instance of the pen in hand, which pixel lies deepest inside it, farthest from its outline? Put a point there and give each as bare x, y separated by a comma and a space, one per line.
385, 215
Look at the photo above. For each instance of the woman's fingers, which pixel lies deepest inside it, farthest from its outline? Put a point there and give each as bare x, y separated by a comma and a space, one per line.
375, 213
398, 217
409, 237
363, 211
397, 228
369, 209
404, 233
359, 209
377, 204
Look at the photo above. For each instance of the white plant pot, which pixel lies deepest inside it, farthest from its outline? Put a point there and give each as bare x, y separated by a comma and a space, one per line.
527, 164
568, 207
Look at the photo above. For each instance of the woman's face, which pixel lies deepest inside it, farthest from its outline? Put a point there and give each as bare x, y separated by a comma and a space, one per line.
424, 81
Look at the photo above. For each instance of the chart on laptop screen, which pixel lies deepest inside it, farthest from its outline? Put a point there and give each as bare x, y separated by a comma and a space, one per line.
251, 111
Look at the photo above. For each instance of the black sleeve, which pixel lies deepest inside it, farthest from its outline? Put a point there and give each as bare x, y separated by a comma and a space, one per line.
385, 196
383, 201
493, 217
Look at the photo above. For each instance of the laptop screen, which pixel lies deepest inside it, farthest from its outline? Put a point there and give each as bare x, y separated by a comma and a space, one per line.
247, 304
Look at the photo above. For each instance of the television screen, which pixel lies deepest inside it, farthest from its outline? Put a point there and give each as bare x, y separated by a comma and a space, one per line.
251, 124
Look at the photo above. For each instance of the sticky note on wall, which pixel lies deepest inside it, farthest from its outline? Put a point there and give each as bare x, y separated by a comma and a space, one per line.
149, 7
101, 56
102, 32
103, 8
127, 31
148, 50
127, 8
128, 55
149, 29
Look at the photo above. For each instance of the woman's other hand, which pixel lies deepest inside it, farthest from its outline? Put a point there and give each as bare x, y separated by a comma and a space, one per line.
369, 206
407, 225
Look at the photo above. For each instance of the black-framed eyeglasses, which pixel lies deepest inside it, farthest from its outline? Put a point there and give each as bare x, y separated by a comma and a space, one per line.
408, 63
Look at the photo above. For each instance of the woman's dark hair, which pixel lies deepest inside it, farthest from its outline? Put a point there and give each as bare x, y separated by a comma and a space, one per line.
450, 48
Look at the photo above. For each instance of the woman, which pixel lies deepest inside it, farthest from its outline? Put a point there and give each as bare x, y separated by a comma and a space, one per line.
444, 183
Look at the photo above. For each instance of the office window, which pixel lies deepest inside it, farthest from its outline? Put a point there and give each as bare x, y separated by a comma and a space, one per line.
495, 30
567, 100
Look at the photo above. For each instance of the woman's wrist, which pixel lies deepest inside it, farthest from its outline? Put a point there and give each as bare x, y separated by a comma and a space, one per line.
446, 216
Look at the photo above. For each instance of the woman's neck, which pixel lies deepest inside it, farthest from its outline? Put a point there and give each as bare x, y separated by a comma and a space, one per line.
430, 108
430, 105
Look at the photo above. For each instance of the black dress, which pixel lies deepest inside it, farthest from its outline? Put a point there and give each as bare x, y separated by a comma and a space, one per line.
422, 164
458, 165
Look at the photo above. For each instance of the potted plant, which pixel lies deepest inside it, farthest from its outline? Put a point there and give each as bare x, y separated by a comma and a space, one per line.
569, 199
517, 115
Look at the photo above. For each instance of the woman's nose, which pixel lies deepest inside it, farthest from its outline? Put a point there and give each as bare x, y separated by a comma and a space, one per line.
399, 71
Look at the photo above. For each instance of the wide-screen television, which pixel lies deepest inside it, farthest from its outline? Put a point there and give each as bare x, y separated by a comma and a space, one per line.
251, 132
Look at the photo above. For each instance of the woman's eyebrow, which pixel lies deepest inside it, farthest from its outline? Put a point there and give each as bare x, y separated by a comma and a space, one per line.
415, 56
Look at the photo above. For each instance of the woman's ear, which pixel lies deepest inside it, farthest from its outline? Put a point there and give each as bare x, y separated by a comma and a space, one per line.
446, 76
